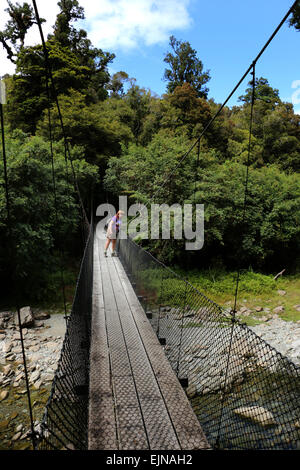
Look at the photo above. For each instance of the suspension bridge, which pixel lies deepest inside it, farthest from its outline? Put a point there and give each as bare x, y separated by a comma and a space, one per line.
136, 402
149, 362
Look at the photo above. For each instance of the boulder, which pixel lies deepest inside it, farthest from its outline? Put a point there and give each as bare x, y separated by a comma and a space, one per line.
19, 376
3, 395
278, 309
191, 391
7, 347
35, 376
7, 369
10, 357
241, 347
51, 345
6, 318
37, 385
26, 316
40, 315
48, 377
257, 414
243, 310
281, 292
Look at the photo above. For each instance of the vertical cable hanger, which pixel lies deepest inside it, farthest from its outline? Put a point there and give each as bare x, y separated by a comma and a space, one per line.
196, 170
233, 312
54, 188
246, 181
195, 181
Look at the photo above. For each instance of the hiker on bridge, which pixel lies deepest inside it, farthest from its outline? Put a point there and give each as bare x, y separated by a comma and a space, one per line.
112, 232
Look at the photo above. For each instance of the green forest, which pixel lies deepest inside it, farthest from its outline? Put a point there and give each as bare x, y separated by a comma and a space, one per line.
125, 140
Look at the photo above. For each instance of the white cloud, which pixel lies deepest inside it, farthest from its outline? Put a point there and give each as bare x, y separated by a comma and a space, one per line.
296, 109
296, 94
129, 24
112, 24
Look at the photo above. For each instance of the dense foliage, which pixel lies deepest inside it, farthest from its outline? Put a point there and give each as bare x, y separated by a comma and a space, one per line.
41, 225
126, 140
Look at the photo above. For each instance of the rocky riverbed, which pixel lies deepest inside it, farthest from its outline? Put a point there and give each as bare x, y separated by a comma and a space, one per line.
203, 347
43, 336
262, 385
283, 336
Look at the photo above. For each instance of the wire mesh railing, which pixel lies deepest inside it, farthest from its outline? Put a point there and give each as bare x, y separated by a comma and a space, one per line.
65, 421
245, 394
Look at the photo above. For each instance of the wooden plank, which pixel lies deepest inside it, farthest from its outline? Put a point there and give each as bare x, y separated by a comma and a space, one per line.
129, 421
187, 426
136, 401
159, 428
102, 423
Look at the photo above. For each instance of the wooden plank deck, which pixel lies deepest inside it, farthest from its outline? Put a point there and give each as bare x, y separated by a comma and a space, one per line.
136, 401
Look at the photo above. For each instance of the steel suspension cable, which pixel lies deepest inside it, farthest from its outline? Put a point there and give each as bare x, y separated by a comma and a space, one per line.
198, 140
14, 274
185, 155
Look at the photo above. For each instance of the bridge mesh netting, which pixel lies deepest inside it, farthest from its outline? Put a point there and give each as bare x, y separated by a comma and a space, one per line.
245, 394
65, 422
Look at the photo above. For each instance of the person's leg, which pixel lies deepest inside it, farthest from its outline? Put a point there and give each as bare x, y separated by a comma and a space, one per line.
106, 246
113, 242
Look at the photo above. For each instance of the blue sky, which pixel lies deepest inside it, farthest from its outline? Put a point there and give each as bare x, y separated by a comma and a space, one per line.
227, 36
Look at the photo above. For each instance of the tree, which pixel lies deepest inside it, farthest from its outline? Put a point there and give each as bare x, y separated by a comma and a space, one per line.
97, 129
21, 19
38, 230
78, 43
64, 32
185, 67
141, 171
152, 122
116, 84
275, 133
185, 112
281, 138
139, 101
7, 47
270, 234
263, 92
75, 65
27, 96
295, 19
